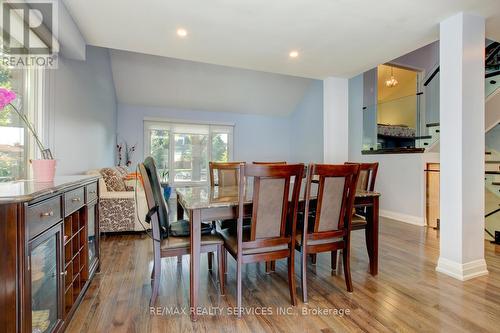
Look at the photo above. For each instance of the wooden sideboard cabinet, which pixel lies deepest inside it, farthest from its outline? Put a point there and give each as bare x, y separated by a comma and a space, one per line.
49, 251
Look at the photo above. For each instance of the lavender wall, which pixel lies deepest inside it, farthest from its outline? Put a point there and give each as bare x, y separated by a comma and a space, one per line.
306, 129
83, 115
255, 137
425, 58
296, 137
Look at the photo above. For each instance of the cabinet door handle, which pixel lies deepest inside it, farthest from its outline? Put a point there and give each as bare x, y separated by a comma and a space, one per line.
64, 273
47, 214
77, 199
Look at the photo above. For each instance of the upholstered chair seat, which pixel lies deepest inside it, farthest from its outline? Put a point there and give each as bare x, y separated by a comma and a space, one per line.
358, 222
231, 241
183, 242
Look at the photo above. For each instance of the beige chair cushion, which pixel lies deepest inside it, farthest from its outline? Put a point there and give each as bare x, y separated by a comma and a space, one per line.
298, 239
364, 176
231, 242
269, 207
358, 222
227, 177
331, 203
181, 242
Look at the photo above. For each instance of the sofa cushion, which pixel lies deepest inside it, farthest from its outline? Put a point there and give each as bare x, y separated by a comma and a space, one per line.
113, 179
123, 171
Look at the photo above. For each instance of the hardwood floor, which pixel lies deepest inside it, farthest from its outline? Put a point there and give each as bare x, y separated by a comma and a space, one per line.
407, 295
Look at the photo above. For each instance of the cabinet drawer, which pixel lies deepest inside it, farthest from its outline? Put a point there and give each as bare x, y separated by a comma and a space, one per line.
73, 200
91, 192
43, 215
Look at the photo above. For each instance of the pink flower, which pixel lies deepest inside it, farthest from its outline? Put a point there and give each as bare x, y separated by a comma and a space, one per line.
6, 96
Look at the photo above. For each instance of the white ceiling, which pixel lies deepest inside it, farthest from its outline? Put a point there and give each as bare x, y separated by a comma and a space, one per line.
334, 37
165, 82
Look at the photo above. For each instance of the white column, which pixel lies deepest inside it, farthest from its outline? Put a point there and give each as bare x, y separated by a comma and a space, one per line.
462, 43
335, 120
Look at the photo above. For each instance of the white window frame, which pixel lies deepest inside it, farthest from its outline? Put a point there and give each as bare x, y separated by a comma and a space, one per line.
167, 124
32, 96
34, 89
34, 104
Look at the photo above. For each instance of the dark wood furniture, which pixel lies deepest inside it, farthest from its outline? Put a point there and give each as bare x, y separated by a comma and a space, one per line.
268, 236
173, 246
227, 175
366, 182
270, 266
208, 203
49, 251
226, 172
270, 163
329, 229
367, 175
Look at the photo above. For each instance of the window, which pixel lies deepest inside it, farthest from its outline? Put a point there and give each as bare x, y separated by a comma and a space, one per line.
16, 143
182, 151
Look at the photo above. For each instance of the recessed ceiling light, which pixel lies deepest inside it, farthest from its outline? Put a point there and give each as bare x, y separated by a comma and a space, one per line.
294, 54
182, 32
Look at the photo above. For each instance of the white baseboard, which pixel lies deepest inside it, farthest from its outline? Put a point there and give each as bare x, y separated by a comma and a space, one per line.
410, 219
460, 271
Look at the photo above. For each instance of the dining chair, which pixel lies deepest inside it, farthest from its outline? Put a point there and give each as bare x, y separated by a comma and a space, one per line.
224, 173
329, 229
268, 237
366, 182
270, 266
367, 175
270, 163
164, 244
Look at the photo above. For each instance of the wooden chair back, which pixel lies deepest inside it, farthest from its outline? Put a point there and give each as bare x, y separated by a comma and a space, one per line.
272, 206
335, 199
224, 173
367, 175
148, 191
270, 163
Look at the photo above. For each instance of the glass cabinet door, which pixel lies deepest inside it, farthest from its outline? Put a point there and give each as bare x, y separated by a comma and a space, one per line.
45, 274
92, 239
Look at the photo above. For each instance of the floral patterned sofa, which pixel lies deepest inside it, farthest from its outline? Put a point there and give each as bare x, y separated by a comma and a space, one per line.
117, 208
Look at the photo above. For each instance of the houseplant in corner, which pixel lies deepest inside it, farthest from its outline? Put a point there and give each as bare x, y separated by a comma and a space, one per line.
43, 169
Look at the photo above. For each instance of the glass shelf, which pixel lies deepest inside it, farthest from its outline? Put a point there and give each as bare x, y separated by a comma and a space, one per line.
44, 292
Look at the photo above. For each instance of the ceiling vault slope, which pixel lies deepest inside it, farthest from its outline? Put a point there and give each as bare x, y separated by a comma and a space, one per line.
333, 37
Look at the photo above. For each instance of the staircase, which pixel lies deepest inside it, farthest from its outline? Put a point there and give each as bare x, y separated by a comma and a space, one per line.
492, 192
429, 140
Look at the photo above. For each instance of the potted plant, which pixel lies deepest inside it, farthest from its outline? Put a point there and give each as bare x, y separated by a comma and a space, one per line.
44, 168
167, 190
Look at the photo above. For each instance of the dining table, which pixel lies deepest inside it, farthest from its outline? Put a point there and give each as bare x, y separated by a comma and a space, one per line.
212, 203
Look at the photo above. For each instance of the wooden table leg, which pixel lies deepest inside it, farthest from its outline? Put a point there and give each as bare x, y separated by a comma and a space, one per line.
194, 273
372, 235
180, 210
